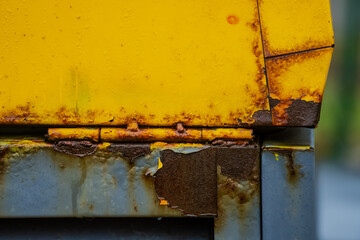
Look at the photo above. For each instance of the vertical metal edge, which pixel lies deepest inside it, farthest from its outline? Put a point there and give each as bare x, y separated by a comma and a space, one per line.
288, 193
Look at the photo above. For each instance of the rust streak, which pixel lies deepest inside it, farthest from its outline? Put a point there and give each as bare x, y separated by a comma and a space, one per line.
293, 170
3, 163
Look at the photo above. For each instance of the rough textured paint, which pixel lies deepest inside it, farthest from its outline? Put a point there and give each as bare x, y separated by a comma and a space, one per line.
238, 192
90, 67
296, 86
188, 181
76, 148
173, 135
56, 134
238, 162
130, 151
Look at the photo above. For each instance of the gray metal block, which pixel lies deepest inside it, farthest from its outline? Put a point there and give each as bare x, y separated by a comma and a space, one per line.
288, 204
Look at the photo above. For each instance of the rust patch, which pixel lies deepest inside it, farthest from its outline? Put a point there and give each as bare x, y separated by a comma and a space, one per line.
242, 193
232, 19
278, 65
303, 113
91, 207
3, 162
224, 143
292, 110
238, 162
21, 114
293, 170
188, 182
310, 44
279, 113
262, 118
130, 151
75, 148
238, 182
296, 112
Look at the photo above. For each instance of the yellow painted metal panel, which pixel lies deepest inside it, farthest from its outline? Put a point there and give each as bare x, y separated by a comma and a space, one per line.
55, 134
296, 86
172, 135
290, 26
113, 61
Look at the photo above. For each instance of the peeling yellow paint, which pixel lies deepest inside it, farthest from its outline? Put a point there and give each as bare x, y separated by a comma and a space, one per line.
160, 165
163, 202
104, 145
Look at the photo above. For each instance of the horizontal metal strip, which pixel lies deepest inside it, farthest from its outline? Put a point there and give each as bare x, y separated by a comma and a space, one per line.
148, 134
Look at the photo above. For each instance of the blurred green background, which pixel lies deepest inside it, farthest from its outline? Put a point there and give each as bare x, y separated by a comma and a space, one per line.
338, 134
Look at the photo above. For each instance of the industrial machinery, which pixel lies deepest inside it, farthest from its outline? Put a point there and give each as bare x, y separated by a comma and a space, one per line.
199, 113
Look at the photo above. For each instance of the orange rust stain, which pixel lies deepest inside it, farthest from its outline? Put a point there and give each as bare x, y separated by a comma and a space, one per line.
232, 19
293, 170
269, 51
114, 181
258, 98
277, 66
280, 116
70, 117
66, 116
91, 207
21, 113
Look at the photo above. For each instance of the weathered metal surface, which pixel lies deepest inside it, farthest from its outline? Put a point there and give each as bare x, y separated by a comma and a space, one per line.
295, 138
92, 134
296, 85
295, 26
94, 64
132, 180
130, 151
238, 193
188, 182
75, 148
287, 183
173, 135
37, 181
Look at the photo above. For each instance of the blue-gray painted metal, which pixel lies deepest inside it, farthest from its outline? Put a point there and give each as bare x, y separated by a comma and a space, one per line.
43, 183
290, 137
37, 181
287, 183
238, 220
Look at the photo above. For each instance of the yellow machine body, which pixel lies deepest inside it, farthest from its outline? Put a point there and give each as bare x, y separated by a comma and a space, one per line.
201, 63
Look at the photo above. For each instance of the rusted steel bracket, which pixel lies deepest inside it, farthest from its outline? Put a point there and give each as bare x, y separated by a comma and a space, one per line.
134, 134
